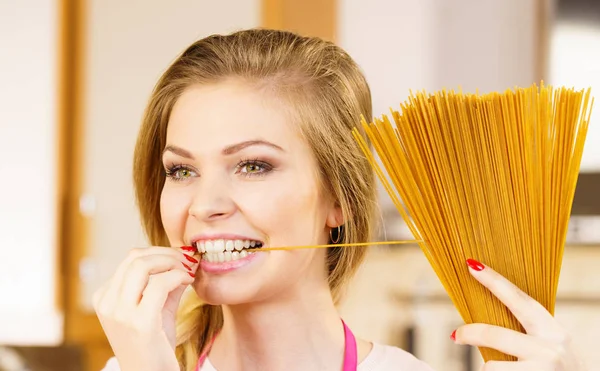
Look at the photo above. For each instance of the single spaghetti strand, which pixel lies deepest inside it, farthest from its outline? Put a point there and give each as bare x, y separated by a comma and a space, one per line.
358, 244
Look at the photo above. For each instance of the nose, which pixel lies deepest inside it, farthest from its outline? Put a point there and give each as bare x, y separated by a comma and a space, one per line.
212, 201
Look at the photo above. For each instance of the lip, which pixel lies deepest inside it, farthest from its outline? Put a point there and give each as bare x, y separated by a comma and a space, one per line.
226, 267
221, 236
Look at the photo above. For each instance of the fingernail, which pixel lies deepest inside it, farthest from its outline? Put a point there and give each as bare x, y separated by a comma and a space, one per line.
453, 336
475, 265
192, 274
187, 267
189, 258
189, 248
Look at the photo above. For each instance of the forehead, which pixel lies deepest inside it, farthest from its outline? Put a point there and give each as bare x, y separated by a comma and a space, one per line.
228, 112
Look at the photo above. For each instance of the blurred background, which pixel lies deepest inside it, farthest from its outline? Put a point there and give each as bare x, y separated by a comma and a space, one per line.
75, 76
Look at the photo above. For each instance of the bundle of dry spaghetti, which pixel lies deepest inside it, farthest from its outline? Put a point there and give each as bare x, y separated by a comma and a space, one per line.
489, 177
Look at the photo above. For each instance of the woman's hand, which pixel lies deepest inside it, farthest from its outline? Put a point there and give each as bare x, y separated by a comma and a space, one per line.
545, 347
137, 307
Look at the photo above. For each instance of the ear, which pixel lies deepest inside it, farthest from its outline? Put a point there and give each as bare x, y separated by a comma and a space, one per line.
335, 216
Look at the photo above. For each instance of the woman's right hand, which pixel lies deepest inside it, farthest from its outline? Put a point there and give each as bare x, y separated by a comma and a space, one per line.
137, 307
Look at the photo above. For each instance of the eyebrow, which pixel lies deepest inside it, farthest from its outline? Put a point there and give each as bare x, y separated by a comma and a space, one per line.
229, 150
178, 151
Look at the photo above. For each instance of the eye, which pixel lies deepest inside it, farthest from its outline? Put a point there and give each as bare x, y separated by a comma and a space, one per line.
183, 173
253, 167
179, 172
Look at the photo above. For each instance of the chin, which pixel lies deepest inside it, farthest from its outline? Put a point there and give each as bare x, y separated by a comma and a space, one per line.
222, 292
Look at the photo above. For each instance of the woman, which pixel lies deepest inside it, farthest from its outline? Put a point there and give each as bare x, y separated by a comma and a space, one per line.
245, 144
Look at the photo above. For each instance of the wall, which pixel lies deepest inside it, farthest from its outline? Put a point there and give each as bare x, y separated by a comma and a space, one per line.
434, 44
28, 154
575, 61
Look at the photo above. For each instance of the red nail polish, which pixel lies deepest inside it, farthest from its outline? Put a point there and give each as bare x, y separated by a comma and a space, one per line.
189, 248
187, 267
453, 336
189, 258
192, 274
475, 265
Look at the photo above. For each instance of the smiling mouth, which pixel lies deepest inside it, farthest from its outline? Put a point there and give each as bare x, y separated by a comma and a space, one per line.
219, 251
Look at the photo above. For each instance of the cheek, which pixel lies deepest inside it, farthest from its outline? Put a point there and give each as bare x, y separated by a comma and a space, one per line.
288, 211
174, 208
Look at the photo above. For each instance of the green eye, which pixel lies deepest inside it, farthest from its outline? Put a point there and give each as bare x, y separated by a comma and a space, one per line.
183, 173
252, 168
179, 173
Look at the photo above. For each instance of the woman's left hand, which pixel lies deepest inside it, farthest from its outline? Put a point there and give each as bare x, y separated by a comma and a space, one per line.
545, 347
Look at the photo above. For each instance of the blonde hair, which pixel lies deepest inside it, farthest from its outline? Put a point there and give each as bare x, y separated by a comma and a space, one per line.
325, 93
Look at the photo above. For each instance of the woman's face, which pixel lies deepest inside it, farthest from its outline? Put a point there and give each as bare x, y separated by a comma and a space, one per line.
240, 174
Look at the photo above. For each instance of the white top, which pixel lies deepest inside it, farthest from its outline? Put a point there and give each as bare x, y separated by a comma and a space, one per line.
381, 358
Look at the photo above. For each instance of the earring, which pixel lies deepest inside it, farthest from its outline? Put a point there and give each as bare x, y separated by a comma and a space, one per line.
338, 235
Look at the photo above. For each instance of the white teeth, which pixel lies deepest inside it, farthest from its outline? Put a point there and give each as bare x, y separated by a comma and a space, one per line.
221, 257
219, 246
216, 246
220, 251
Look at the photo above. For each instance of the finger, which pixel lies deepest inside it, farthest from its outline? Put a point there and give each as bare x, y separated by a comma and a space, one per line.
113, 292
145, 251
532, 315
138, 274
157, 291
511, 366
502, 339
101, 307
